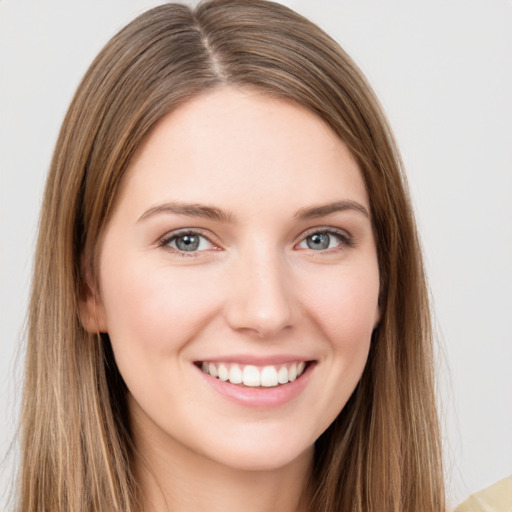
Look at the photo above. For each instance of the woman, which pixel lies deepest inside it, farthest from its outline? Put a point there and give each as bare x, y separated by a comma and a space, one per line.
229, 307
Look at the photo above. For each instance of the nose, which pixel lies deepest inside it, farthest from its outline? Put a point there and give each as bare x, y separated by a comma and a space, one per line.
261, 299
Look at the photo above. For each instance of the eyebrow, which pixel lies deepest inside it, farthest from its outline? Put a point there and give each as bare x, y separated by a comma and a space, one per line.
190, 210
214, 213
322, 210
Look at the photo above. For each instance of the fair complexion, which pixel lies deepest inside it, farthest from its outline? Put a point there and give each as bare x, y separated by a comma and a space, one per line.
241, 238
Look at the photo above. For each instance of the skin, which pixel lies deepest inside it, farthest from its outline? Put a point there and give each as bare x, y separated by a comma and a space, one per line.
253, 288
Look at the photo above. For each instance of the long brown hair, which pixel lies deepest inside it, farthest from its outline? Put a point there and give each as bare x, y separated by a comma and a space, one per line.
382, 453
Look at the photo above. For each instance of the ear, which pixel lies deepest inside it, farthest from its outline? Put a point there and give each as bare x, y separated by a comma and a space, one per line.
90, 307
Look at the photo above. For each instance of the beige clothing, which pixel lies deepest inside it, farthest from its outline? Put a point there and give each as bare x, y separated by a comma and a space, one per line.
497, 498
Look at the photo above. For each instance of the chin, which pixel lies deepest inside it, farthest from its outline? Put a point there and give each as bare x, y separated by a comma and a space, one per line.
257, 454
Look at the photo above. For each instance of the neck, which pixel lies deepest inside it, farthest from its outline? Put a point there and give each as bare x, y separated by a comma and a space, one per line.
175, 479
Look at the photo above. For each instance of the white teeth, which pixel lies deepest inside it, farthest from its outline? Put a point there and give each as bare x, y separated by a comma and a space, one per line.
269, 377
212, 370
292, 372
282, 375
223, 373
253, 376
235, 374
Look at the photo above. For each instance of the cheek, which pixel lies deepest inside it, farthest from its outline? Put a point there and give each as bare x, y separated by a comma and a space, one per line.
151, 317
159, 309
344, 304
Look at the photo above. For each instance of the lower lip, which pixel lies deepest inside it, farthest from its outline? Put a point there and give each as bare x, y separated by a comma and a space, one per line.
259, 397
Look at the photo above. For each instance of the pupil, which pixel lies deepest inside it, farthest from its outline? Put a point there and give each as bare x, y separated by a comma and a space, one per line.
318, 241
187, 242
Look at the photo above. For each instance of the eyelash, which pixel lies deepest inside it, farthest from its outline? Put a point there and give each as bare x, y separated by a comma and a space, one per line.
168, 239
345, 240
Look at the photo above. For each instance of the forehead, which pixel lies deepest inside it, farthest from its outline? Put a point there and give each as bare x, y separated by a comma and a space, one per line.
232, 144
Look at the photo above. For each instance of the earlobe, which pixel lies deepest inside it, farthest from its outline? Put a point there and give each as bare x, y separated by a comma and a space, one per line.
90, 308
92, 314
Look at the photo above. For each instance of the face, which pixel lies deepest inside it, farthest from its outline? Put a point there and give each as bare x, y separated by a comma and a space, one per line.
238, 280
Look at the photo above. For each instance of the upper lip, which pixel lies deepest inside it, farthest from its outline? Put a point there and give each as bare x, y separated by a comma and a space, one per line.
256, 360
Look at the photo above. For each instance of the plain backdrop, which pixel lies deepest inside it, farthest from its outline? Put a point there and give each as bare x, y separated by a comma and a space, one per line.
443, 71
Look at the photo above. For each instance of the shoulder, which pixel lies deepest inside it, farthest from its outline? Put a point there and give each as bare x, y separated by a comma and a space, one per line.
497, 498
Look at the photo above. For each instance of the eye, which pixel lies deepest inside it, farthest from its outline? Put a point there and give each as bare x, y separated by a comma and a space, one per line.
324, 240
189, 241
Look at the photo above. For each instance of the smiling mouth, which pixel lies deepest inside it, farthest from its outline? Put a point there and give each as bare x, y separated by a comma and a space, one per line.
254, 376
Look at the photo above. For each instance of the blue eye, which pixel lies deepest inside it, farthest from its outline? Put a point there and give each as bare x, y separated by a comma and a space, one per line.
188, 242
323, 240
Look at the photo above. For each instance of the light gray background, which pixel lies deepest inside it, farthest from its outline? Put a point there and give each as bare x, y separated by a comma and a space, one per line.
443, 71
